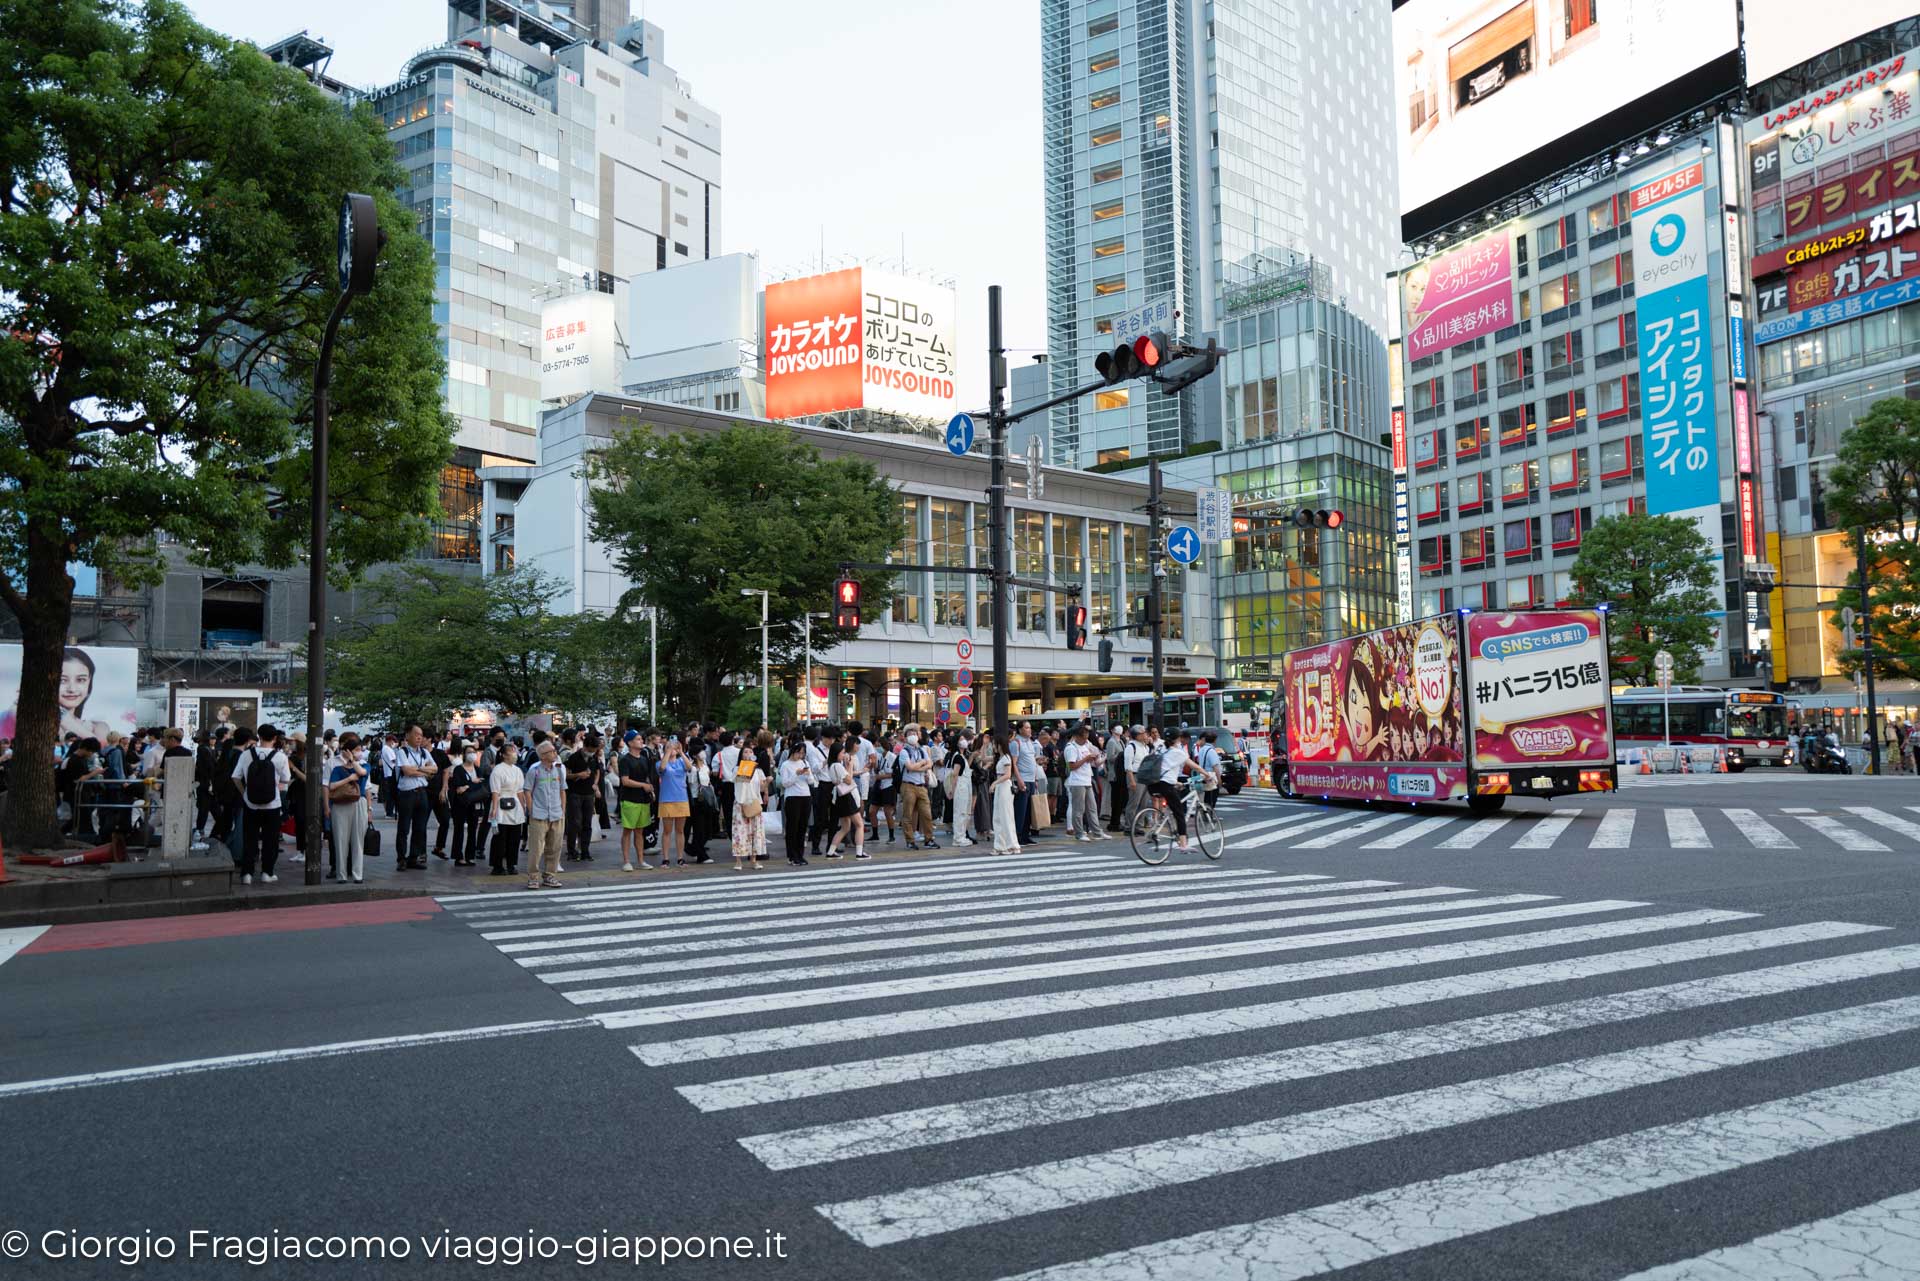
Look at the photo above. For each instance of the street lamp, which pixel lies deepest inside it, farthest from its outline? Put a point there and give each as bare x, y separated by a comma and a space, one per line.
762, 594
358, 247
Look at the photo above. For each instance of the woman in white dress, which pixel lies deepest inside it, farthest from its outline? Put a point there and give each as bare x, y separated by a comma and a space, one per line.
960, 788
1005, 838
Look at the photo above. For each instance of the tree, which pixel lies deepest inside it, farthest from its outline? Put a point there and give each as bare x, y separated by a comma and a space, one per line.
453, 641
1874, 487
168, 212
695, 518
1659, 577
608, 657
744, 711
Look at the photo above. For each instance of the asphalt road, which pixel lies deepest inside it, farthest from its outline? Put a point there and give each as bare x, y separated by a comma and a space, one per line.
1684, 1044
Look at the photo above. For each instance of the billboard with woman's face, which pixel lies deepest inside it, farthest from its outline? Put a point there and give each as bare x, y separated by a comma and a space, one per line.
98, 684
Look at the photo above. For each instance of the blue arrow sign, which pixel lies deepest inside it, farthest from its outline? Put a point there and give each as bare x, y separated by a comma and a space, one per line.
960, 434
1183, 544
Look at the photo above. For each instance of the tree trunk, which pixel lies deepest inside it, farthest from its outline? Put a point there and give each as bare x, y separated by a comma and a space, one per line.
47, 609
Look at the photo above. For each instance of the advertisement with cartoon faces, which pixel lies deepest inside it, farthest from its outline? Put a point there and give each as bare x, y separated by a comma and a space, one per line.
1390, 697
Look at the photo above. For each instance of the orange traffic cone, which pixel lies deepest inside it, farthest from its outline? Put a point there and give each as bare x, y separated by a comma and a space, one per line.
1720, 761
1646, 763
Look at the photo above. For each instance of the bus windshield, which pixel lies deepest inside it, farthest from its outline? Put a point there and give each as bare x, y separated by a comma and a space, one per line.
1748, 720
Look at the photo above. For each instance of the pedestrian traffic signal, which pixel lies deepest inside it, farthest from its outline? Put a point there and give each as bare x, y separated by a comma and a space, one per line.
846, 604
1076, 627
1106, 654
1318, 518
1135, 359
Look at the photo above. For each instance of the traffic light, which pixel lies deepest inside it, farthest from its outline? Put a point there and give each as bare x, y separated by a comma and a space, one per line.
1318, 518
846, 604
1076, 627
1187, 365
1106, 653
1134, 359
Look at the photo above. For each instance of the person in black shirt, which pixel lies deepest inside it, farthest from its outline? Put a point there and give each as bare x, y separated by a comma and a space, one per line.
582, 785
445, 753
467, 800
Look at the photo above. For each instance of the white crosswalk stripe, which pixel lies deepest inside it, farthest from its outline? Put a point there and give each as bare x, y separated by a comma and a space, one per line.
1684, 831
1615, 831
1474, 834
1128, 1040
1408, 835
1840, 834
1543, 834
1891, 822
1346, 834
1763, 834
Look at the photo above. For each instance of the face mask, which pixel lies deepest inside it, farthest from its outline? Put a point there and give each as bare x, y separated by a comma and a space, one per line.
473, 758
913, 738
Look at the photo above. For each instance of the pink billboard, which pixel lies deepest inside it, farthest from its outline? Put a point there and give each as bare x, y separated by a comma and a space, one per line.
1537, 683
1458, 295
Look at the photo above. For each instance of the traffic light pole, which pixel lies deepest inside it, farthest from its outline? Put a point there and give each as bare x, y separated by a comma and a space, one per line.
1155, 569
997, 502
1866, 657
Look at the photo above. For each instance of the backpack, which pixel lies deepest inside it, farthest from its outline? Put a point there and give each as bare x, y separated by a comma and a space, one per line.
899, 768
1149, 771
263, 787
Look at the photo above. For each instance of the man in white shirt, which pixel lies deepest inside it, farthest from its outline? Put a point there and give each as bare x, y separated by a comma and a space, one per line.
1026, 767
414, 769
916, 775
1175, 765
1138, 742
820, 748
1080, 755
262, 776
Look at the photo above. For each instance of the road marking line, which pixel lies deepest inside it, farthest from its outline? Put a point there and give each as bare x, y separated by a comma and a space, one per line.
1543, 834
642, 907
733, 891
1891, 822
1255, 827
52, 1085
1000, 1114
1615, 831
1840, 834
1878, 1242
1124, 900
1160, 988
756, 950
1407, 835
924, 984
1684, 831
1342, 835
13, 940
1057, 1185
1288, 833
1763, 834
1391, 1222
964, 895
1475, 832
1214, 928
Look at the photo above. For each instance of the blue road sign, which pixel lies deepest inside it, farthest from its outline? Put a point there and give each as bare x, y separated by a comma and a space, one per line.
960, 434
1183, 544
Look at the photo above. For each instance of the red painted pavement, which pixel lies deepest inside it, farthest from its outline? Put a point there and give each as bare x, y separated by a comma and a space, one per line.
274, 920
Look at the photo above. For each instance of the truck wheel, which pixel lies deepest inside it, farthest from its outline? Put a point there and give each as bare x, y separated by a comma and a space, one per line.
1485, 804
1233, 789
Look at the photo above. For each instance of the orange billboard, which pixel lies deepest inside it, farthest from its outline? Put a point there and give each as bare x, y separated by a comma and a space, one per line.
812, 345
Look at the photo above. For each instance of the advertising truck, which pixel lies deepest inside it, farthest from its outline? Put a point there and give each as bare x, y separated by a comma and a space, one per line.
1469, 706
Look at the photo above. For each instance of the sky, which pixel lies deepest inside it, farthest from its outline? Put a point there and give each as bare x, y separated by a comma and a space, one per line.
859, 126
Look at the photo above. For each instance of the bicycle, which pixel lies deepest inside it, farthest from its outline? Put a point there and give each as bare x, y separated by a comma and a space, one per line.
1152, 833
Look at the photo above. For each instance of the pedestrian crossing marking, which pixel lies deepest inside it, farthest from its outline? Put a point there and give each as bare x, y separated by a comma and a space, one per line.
1359, 829
1474, 834
1551, 988
1840, 834
1684, 831
1891, 822
1763, 834
1615, 831
1543, 834
1878, 1242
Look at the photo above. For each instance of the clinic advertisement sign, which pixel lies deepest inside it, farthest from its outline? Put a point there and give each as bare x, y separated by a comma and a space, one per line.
1679, 432
1458, 295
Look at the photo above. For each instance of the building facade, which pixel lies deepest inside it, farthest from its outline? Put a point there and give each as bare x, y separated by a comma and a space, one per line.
1190, 148
1086, 530
1833, 159
547, 152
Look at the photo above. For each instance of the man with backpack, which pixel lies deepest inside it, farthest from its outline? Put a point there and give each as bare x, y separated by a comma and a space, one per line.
1139, 746
262, 774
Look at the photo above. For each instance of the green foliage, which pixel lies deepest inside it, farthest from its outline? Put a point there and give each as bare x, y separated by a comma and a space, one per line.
1874, 485
168, 210
1660, 577
453, 641
696, 518
744, 711
608, 658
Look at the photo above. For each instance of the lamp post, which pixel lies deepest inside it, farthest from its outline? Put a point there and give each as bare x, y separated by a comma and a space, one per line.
358, 246
762, 594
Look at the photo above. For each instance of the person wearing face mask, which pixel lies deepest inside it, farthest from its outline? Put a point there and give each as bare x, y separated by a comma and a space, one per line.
507, 795
467, 804
916, 778
347, 795
960, 788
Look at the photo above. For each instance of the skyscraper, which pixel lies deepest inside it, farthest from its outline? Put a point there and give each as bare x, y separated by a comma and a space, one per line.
1191, 151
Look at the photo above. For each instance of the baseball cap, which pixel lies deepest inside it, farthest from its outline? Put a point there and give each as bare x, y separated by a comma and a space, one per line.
630, 735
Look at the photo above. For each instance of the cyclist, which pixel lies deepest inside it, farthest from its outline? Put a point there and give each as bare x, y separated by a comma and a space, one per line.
1175, 764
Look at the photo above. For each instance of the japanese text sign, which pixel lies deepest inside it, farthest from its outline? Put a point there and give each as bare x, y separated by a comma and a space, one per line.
1679, 427
1459, 295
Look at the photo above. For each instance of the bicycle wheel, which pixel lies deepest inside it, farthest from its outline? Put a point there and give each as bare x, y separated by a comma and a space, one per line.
1206, 827
1151, 844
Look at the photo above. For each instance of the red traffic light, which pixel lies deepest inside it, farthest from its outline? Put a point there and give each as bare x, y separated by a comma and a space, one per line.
846, 604
847, 591
1333, 519
1146, 350
1318, 518
1076, 627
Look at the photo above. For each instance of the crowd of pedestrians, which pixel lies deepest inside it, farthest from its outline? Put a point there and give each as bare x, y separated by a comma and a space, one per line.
529, 806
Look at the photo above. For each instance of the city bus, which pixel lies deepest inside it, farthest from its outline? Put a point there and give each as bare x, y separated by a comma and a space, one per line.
1242, 709
1750, 723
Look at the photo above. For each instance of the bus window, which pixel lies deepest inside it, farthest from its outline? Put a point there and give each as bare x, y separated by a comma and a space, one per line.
1767, 720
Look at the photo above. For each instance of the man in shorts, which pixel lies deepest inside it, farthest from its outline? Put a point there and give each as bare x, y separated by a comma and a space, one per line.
636, 801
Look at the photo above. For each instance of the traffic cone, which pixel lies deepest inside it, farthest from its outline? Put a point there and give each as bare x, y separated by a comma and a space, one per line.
1720, 760
1646, 763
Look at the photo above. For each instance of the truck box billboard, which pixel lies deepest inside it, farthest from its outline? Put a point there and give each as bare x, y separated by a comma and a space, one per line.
1455, 707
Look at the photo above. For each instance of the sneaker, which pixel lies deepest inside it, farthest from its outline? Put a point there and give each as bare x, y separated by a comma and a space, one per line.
646, 866
359, 880
862, 853
551, 883
246, 878
962, 843
627, 867
271, 879
297, 858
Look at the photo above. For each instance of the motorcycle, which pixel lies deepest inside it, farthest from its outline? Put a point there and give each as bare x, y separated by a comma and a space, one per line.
1823, 758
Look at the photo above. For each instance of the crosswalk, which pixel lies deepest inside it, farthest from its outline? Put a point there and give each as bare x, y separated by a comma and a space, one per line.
1263, 822
1011, 1061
